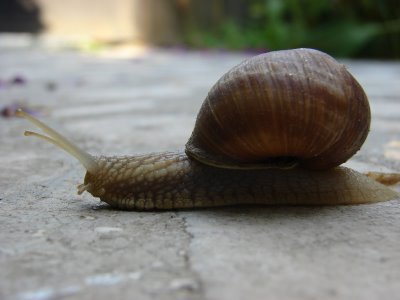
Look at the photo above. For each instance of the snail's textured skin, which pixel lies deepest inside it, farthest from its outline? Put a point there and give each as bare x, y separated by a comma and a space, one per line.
174, 181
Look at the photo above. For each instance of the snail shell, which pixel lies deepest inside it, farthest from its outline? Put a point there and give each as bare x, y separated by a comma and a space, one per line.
280, 108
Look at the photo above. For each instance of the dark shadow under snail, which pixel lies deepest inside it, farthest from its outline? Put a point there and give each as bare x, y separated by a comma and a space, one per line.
272, 131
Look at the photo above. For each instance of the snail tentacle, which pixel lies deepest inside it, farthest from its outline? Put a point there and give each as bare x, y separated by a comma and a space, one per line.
384, 178
60, 141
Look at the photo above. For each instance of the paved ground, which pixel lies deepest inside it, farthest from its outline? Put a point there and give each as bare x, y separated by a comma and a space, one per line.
55, 244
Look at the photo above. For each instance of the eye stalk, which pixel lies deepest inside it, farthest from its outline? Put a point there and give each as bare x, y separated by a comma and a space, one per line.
60, 141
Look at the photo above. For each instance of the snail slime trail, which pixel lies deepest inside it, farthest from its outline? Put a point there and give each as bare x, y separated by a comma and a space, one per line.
279, 153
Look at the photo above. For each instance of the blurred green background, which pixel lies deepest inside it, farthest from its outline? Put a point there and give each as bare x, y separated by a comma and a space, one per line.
342, 28
361, 28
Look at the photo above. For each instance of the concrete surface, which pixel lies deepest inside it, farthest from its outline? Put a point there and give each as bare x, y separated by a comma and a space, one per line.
55, 244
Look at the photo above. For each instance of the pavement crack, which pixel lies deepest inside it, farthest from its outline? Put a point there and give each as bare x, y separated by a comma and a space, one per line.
198, 286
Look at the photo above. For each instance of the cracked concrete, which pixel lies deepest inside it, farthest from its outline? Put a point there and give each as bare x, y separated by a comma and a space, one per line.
55, 244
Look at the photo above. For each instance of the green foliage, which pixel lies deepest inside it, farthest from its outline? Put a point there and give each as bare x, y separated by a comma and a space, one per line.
363, 28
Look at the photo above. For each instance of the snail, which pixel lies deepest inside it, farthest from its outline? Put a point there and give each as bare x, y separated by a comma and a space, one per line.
272, 131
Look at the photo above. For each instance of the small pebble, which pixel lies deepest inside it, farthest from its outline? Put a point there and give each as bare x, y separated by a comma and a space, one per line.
181, 252
104, 279
107, 229
39, 233
88, 217
183, 283
135, 275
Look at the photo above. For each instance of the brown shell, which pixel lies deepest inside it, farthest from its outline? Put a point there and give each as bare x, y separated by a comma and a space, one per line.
295, 106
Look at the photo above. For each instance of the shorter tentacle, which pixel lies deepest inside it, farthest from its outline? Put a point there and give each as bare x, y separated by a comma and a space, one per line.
385, 178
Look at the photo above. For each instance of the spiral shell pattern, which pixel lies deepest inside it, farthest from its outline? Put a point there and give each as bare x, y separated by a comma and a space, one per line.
280, 108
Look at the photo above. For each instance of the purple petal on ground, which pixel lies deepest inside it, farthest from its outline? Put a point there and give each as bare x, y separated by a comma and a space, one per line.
18, 80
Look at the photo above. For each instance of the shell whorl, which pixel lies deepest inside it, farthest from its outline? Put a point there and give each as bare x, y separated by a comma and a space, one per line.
298, 106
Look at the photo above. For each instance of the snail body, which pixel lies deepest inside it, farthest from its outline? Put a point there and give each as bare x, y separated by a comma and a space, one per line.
272, 131
171, 180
